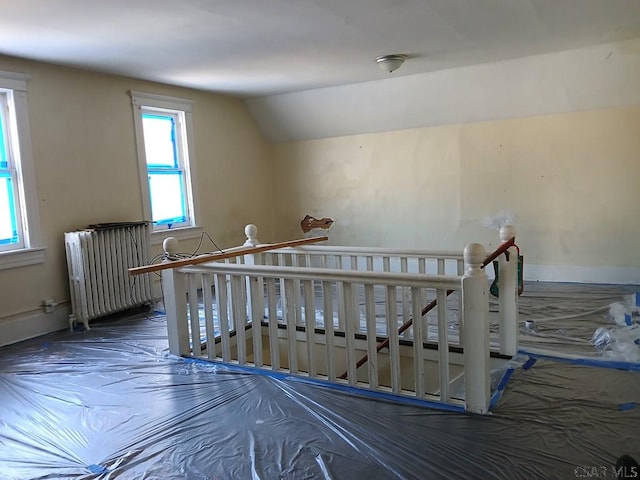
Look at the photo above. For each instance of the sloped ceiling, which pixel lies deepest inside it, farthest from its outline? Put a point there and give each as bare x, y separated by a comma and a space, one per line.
254, 48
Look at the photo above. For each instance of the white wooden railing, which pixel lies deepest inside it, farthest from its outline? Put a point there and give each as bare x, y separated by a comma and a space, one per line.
315, 311
406, 261
373, 259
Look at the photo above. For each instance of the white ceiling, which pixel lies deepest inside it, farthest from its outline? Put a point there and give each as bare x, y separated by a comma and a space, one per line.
255, 48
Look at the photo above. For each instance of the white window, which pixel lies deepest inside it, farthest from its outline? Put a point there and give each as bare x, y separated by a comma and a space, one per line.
20, 242
165, 154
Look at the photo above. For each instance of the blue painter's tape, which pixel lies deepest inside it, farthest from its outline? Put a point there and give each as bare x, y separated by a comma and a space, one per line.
333, 386
588, 362
505, 379
497, 395
495, 398
627, 406
529, 363
97, 469
378, 395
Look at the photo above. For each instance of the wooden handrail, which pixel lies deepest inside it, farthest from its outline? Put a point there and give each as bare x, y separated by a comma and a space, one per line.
499, 251
385, 343
210, 257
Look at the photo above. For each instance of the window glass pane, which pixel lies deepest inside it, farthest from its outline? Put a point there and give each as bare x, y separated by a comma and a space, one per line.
160, 140
3, 147
8, 224
167, 199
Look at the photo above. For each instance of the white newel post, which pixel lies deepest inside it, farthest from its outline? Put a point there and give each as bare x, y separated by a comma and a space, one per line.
175, 302
251, 231
170, 249
475, 299
255, 294
508, 294
175, 305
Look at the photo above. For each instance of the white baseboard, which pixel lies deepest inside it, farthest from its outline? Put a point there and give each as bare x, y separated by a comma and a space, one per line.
24, 326
578, 274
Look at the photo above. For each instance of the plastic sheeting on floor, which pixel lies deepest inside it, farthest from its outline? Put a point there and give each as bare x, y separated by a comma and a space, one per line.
563, 318
112, 404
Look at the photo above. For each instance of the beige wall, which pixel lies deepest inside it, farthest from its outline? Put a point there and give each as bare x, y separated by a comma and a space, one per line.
87, 171
570, 179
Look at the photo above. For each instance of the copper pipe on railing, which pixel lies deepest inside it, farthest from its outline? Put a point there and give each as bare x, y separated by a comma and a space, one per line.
221, 256
499, 251
385, 343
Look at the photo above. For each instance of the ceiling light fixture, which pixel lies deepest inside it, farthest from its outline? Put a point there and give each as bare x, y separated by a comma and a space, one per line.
390, 63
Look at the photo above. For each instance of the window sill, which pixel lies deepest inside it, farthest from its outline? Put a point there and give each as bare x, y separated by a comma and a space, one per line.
187, 233
22, 257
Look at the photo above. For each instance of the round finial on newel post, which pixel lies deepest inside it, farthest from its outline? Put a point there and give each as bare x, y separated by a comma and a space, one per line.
474, 255
170, 249
507, 232
251, 231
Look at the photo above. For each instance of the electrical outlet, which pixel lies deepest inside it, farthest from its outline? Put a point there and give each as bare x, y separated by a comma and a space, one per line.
48, 305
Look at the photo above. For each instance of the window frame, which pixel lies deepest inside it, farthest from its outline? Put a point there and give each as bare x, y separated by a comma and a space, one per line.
182, 109
29, 250
10, 171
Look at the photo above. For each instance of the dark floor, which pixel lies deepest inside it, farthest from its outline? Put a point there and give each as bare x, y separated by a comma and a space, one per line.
112, 404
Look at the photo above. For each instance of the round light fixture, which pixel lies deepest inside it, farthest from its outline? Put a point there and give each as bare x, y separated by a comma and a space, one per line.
390, 63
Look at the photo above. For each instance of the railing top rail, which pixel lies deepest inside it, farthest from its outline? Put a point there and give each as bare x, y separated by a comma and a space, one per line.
372, 251
450, 282
232, 252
